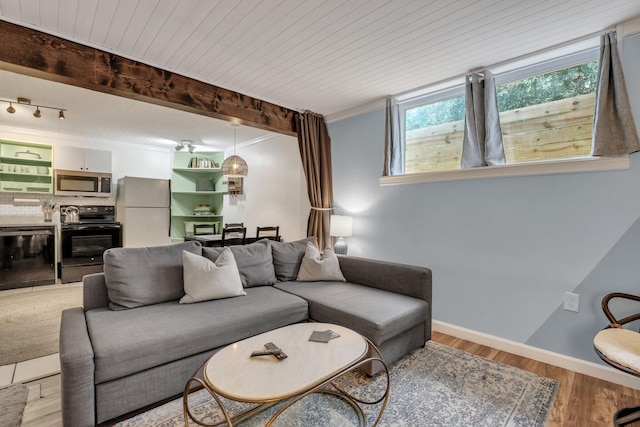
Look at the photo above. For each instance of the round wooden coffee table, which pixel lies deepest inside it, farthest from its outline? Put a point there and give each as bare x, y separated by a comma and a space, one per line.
308, 368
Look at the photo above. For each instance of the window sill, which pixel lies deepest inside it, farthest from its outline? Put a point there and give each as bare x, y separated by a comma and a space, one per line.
587, 164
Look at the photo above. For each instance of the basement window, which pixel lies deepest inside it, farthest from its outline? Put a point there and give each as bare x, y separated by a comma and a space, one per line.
546, 115
433, 131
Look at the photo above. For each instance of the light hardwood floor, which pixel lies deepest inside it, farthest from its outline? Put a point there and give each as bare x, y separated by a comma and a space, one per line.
581, 400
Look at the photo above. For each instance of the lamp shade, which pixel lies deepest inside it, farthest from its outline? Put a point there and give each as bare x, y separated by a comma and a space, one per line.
235, 167
341, 225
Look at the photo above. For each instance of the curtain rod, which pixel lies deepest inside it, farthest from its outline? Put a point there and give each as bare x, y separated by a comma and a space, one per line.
447, 83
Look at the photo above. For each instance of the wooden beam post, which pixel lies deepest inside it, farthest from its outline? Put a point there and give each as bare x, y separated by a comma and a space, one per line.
30, 52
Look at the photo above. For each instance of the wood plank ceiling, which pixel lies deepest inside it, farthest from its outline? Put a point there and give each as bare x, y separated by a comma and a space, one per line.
327, 56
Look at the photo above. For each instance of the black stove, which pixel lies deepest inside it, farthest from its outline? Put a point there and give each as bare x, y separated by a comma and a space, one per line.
84, 242
92, 215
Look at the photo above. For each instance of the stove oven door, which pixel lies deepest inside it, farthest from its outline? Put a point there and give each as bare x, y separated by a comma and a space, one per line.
82, 248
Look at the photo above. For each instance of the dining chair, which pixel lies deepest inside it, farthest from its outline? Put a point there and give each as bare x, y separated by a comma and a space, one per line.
270, 232
233, 236
233, 224
200, 229
620, 347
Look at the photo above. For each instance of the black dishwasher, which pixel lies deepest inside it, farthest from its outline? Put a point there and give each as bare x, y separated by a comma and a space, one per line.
27, 256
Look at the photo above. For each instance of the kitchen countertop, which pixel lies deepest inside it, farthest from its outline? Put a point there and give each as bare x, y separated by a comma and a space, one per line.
25, 221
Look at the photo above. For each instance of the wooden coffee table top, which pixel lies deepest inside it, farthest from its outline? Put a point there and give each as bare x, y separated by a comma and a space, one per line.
232, 373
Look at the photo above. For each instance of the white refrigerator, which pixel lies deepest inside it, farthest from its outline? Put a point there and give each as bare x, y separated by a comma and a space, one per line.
143, 208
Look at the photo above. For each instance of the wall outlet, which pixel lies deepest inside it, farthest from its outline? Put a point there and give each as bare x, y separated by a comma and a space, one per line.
571, 301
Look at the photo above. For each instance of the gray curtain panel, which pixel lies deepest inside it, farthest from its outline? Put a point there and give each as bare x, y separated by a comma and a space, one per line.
393, 141
482, 142
614, 131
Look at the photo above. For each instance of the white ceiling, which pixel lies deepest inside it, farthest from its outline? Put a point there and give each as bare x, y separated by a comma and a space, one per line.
328, 56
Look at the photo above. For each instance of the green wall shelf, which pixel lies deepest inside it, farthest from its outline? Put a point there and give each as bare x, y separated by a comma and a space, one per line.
26, 167
194, 189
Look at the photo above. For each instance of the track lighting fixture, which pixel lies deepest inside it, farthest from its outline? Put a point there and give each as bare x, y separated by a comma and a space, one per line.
27, 102
185, 143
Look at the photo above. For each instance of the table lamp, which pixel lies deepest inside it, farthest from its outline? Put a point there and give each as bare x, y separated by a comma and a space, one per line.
341, 227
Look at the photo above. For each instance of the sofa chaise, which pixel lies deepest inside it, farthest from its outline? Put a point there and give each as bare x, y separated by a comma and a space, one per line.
133, 343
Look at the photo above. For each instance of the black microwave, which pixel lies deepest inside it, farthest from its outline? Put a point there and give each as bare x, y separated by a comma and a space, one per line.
82, 183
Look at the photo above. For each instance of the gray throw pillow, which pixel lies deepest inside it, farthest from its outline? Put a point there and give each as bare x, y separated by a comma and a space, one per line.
136, 277
205, 280
254, 262
318, 266
287, 257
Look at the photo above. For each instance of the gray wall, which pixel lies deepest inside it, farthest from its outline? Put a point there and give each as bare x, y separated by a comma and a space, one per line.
503, 250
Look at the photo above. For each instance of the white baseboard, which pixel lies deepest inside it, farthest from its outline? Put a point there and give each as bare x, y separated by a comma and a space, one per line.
602, 372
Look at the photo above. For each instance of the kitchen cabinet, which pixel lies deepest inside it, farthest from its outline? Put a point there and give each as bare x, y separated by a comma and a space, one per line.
196, 192
28, 256
82, 159
25, 167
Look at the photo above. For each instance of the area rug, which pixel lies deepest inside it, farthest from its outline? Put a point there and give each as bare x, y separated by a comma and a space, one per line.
12, 402
31, 322
433, 386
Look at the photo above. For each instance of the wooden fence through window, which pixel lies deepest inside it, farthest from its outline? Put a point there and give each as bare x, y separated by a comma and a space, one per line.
554, 130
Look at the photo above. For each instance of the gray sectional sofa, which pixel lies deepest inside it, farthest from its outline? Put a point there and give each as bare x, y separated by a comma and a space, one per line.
133, 344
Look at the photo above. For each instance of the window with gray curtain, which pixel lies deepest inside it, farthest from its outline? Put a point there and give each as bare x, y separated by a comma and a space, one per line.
536, 113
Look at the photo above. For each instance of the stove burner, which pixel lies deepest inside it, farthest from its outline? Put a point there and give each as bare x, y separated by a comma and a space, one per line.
93, 215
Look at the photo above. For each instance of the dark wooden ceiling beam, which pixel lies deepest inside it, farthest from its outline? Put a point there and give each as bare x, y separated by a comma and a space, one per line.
30, 52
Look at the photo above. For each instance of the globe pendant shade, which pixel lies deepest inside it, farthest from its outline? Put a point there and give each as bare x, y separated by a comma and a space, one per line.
235, 167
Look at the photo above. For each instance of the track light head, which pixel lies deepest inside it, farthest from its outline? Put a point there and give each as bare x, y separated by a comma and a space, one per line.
37, 114
185, 143
61, 115
10, 109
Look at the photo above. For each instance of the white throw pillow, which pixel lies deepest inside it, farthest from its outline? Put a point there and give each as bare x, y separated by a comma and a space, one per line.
318, 266
206, 280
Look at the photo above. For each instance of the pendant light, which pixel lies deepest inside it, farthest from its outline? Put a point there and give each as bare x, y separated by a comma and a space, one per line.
234, 166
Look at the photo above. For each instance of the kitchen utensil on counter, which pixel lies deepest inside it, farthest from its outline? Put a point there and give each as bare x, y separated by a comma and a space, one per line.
48, 207
71, 214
